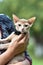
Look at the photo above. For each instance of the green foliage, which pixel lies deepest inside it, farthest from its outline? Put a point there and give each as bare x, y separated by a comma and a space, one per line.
26, 9
35, 60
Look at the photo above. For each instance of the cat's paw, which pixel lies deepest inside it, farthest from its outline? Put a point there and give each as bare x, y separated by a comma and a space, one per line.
0, 40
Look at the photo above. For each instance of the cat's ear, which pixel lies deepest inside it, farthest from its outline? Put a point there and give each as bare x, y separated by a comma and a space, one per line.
15, 18
31, 21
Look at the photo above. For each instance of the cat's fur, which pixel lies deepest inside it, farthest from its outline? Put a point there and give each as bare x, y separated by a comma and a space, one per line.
23, 26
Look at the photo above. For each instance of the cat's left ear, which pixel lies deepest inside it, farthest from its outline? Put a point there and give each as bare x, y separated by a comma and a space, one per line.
15, 18
31, 21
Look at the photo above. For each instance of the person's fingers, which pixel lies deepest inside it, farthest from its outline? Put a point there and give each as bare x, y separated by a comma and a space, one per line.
24, 39
20, 37
17, 40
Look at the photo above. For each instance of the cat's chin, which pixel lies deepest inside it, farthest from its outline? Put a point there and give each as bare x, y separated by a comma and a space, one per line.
23, 32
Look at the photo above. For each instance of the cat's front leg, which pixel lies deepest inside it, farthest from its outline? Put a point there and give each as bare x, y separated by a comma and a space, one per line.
8, 38
4, 46
3, 40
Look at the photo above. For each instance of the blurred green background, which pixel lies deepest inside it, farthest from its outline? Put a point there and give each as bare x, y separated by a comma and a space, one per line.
27, 9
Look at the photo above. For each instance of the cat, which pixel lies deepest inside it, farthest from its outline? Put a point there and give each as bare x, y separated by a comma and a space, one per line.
22, 26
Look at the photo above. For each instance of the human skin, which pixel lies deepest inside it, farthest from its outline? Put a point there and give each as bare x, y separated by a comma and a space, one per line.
17, 46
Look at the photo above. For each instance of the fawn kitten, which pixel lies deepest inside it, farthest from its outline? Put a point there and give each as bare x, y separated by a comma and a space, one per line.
22, 26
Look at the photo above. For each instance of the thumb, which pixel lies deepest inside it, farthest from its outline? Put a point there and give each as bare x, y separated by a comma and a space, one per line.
20, 37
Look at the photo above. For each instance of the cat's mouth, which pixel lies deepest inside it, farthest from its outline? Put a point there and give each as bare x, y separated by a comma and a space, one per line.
23, 32
19, 32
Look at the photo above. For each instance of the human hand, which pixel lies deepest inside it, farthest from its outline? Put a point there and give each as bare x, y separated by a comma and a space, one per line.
19, 45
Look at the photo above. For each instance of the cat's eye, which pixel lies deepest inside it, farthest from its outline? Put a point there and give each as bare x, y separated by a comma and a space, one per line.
19, 24
26, 25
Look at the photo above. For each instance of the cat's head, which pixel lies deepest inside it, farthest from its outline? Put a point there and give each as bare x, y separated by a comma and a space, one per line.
22, 25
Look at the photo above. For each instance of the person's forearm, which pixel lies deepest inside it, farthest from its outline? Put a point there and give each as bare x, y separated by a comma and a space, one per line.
9, 54
6, 56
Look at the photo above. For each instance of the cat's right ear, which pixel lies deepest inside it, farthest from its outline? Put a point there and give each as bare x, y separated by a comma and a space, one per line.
15, 18
31, 21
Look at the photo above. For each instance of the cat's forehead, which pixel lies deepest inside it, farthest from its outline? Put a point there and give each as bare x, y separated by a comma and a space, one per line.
22, 21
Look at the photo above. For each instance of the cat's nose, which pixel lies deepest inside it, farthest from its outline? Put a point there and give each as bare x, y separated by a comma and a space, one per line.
23, 29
